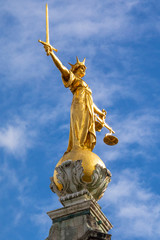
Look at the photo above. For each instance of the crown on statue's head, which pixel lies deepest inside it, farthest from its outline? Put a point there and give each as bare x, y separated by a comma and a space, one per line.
77, 64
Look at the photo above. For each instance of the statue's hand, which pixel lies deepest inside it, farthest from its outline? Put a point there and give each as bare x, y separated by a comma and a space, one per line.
48, 49
103, 114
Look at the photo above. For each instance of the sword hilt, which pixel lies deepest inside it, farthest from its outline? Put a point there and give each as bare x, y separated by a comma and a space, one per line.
47, 44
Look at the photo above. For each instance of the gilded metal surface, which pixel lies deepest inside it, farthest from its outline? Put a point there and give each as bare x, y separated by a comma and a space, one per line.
70, 176
47, 33
98, 126
110, 140
83, 110
47, 25
89, 161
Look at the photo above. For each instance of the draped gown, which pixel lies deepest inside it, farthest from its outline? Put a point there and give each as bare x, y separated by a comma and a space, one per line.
82, 124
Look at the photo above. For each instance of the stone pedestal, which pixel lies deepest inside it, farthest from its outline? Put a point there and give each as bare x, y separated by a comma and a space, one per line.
79, 180
79, 221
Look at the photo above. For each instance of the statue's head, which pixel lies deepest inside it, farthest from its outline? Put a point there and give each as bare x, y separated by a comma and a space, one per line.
78, 68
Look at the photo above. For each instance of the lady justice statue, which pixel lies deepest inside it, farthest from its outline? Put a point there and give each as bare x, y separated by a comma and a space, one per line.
82, 119
85, 117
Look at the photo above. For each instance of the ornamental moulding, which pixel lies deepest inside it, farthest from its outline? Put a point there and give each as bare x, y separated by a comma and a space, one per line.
70, 174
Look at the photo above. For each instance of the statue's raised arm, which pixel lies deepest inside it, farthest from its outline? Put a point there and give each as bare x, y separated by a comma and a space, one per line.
64, 71
49, 50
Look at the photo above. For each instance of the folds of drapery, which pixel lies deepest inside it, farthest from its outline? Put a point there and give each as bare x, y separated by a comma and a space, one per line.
82, 125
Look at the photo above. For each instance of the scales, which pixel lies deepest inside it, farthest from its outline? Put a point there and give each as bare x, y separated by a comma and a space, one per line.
109, 139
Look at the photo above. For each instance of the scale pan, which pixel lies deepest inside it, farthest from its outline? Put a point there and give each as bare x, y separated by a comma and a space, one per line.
98, 126
110, 140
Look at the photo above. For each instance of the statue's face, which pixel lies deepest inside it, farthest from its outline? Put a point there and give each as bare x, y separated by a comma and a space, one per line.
81, 71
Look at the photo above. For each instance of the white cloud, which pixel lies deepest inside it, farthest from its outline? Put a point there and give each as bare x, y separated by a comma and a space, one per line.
139, 128
16, 139
110, 18
23, 53
18, 217
136, 210
40, 219
135, 132
14, 187
10, 179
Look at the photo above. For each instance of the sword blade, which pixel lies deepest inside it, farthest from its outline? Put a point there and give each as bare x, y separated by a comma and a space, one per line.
47, 25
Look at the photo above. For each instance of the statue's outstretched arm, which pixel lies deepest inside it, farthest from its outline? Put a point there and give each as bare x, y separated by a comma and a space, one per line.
98, 111
64, 71
101, 118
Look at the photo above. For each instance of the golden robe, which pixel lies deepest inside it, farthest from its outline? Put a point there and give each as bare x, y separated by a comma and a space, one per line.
82, 124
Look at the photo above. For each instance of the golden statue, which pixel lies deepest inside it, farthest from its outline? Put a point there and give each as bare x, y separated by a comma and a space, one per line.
85, 117
83, 110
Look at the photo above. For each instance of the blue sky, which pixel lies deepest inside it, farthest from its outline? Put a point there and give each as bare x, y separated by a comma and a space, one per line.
120, 40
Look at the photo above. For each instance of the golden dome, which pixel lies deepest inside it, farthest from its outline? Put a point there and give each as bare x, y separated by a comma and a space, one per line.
89, 161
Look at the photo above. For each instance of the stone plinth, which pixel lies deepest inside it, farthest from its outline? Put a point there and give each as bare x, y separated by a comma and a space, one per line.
80, 221
80, 180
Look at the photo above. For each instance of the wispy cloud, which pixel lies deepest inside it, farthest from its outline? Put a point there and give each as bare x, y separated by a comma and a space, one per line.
15, 187
40, 218
137, 208
119, 20
114, 20
135, 132
139, 129
11, 179
16, 139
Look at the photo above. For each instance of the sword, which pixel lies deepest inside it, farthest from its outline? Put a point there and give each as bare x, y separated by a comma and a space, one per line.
47, 33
